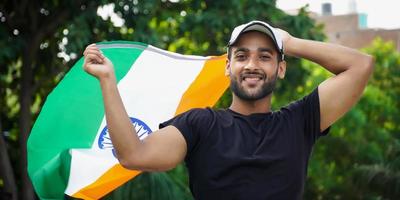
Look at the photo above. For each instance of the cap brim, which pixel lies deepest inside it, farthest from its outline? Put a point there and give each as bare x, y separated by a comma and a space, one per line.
255, 26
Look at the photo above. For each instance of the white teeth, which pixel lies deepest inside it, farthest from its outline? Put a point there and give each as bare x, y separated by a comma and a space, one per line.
252, 77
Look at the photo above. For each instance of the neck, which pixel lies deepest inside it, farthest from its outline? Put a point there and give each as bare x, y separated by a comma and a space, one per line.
250, 107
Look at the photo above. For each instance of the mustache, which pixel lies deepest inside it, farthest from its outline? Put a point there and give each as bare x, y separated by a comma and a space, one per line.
253, 74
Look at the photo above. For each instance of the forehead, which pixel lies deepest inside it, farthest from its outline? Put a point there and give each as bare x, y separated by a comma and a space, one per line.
254, 40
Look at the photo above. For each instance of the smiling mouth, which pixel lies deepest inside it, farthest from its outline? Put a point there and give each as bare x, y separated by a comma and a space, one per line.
252, 76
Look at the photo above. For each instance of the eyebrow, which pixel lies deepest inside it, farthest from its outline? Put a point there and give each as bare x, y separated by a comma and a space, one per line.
261, 49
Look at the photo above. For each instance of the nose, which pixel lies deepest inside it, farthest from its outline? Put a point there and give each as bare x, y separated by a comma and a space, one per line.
251, 64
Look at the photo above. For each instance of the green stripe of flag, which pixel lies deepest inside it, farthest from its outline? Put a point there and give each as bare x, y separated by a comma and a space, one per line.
70, 118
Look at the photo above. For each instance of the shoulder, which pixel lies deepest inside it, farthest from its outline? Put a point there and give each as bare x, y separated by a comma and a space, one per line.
196, 116
306, 111
199, 117
300, 108
310, 100
198, 113
209, 116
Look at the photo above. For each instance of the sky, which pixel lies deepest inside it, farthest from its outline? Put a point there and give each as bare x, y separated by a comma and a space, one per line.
380, 13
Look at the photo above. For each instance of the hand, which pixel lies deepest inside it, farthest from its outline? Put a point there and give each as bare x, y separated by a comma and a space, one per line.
285, 36
97, 64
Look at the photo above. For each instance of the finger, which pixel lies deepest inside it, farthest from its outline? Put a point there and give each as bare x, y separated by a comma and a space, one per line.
90, 68
91, 45
94, 58
91, 49
94, 51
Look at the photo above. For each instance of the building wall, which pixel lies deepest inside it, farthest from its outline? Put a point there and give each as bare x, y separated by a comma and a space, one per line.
347, 30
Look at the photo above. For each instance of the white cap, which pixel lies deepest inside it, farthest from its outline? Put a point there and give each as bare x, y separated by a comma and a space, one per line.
261, 27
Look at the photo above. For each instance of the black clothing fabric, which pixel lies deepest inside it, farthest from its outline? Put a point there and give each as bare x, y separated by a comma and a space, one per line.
259, 156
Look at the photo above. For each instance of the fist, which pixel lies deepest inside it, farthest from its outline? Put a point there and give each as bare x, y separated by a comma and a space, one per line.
96, 63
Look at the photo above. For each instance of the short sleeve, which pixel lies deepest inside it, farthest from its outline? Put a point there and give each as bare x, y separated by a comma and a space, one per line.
310, 113
192, 125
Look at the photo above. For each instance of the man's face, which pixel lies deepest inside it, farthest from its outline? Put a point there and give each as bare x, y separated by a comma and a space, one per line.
253, 66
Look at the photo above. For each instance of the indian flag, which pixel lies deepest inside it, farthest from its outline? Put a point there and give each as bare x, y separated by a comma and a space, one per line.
69, 148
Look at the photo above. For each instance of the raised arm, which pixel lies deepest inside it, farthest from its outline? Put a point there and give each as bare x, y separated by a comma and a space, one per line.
352, 70
161, 150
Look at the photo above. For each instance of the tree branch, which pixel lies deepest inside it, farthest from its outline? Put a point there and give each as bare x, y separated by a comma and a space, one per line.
6, 170
22, 7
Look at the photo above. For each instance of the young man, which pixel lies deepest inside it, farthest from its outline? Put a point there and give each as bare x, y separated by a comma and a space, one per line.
246, 151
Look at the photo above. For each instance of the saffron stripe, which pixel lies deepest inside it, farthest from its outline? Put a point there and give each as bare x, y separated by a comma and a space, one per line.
110, 180
208, 86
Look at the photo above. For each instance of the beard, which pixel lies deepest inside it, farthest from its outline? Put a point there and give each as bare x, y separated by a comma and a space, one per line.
266, 88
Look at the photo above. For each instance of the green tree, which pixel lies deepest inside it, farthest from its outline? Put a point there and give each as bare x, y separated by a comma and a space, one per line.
33, 38
360, 157
381, 177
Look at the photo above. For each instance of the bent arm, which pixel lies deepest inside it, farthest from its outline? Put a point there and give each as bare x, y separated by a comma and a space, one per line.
161, 150
352, 70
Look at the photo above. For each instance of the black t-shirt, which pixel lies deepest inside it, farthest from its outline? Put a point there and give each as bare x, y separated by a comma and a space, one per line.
259, 156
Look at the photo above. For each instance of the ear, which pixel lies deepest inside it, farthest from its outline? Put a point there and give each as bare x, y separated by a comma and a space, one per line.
282, 69
227, 67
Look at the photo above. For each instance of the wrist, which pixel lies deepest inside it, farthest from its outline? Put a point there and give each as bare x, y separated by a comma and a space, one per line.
108, 80
290, 46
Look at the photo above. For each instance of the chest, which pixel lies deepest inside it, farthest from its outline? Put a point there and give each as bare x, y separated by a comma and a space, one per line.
274, 139
250, 148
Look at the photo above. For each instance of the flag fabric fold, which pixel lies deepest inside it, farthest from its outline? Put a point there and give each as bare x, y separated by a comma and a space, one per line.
69, 149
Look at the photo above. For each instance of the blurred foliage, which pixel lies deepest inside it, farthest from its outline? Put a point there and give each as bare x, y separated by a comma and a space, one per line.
360, 159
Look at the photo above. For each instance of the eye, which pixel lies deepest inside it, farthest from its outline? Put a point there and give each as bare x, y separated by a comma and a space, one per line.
265, 57
240, 57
